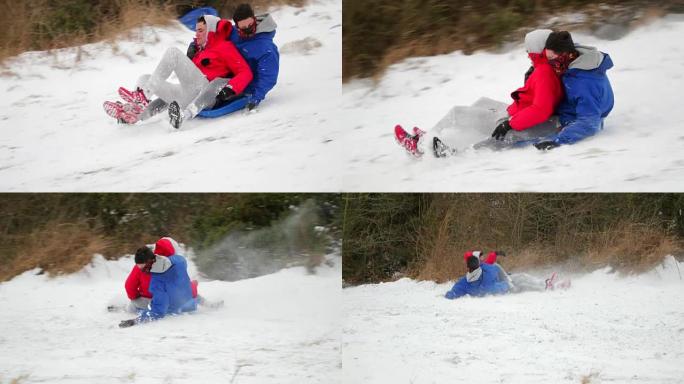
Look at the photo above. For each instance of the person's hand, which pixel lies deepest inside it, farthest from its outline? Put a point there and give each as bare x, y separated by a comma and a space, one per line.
251, 103
546, 145
192, 50
226, 94
127, 323
501, 130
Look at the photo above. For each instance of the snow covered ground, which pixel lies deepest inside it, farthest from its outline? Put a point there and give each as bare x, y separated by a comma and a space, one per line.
279, 328
55, 136
640, 148
604, 329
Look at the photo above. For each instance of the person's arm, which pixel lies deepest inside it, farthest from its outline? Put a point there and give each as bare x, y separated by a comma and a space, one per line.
267, 75
547, 95
242, 74
132, 283
458, 290
587, 123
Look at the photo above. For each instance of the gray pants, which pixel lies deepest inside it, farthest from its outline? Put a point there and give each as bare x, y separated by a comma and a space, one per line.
523, 282
472, 126
193, 94
139, 303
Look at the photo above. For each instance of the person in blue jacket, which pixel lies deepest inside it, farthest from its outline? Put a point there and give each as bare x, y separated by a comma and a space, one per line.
481, 280
170, 286
253, 36
588, 94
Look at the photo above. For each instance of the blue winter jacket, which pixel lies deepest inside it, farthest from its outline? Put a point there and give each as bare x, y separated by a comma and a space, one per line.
261, 55
487, 284
588, 96
170, 288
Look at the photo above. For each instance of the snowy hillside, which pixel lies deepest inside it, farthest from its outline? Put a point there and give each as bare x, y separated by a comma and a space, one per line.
604, 329
54, 134
279, 328
639, 150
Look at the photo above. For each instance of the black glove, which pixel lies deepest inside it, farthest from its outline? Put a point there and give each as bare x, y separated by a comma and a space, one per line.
501, 130
205, 61
500, 253
127, 323
226, 95
546, 145
251, 105
192, 50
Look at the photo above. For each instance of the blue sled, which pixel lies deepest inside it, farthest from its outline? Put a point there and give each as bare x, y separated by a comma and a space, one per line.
224, 109
190, 18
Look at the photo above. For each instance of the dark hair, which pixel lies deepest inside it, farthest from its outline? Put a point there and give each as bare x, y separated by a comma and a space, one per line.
473, 263
560, 42
201, 20
243, 11
143, 255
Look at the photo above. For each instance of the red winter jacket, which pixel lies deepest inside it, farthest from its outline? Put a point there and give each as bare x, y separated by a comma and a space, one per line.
138, 284
536, 101
220, 58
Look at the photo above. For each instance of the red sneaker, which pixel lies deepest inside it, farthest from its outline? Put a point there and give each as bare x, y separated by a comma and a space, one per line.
127, 113
418, 132
135, 97
550, 281
409, 142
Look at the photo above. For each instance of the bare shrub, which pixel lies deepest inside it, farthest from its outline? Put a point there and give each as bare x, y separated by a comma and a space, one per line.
57, 249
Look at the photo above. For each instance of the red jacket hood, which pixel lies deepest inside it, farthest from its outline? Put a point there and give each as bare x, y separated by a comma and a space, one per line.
166, 246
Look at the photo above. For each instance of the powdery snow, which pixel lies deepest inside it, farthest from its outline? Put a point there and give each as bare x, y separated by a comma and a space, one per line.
279, 328
55, 136
640, 148
604, 329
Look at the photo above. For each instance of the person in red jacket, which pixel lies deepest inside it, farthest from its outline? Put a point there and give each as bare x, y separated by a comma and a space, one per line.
211, 65
534, 102
138, 282
532, 107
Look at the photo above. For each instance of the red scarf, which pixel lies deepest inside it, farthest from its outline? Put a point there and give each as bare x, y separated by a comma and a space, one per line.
561, 63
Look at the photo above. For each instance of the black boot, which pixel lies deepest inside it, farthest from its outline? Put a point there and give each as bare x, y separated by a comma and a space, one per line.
175, 115
440, 149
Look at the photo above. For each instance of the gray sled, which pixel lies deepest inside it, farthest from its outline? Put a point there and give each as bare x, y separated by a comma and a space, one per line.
466, 127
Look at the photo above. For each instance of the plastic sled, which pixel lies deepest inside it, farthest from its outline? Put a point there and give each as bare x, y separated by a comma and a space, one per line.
224, 109
466, 127
190, 18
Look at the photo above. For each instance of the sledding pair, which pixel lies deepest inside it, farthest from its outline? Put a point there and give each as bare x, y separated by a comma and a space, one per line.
223, 64
159, 284
565, 98
486, 276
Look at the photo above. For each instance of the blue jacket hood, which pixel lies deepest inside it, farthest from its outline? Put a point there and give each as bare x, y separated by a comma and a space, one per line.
591, 62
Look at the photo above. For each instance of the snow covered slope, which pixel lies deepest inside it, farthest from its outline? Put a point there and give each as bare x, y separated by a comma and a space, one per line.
604, 329
640, 148
54, 135
279, 328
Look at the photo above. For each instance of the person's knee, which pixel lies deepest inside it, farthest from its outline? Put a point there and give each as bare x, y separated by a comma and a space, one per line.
173, 52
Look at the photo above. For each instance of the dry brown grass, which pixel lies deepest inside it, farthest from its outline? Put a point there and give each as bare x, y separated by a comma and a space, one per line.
19, 21
135, 14
56, 249
629, 248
